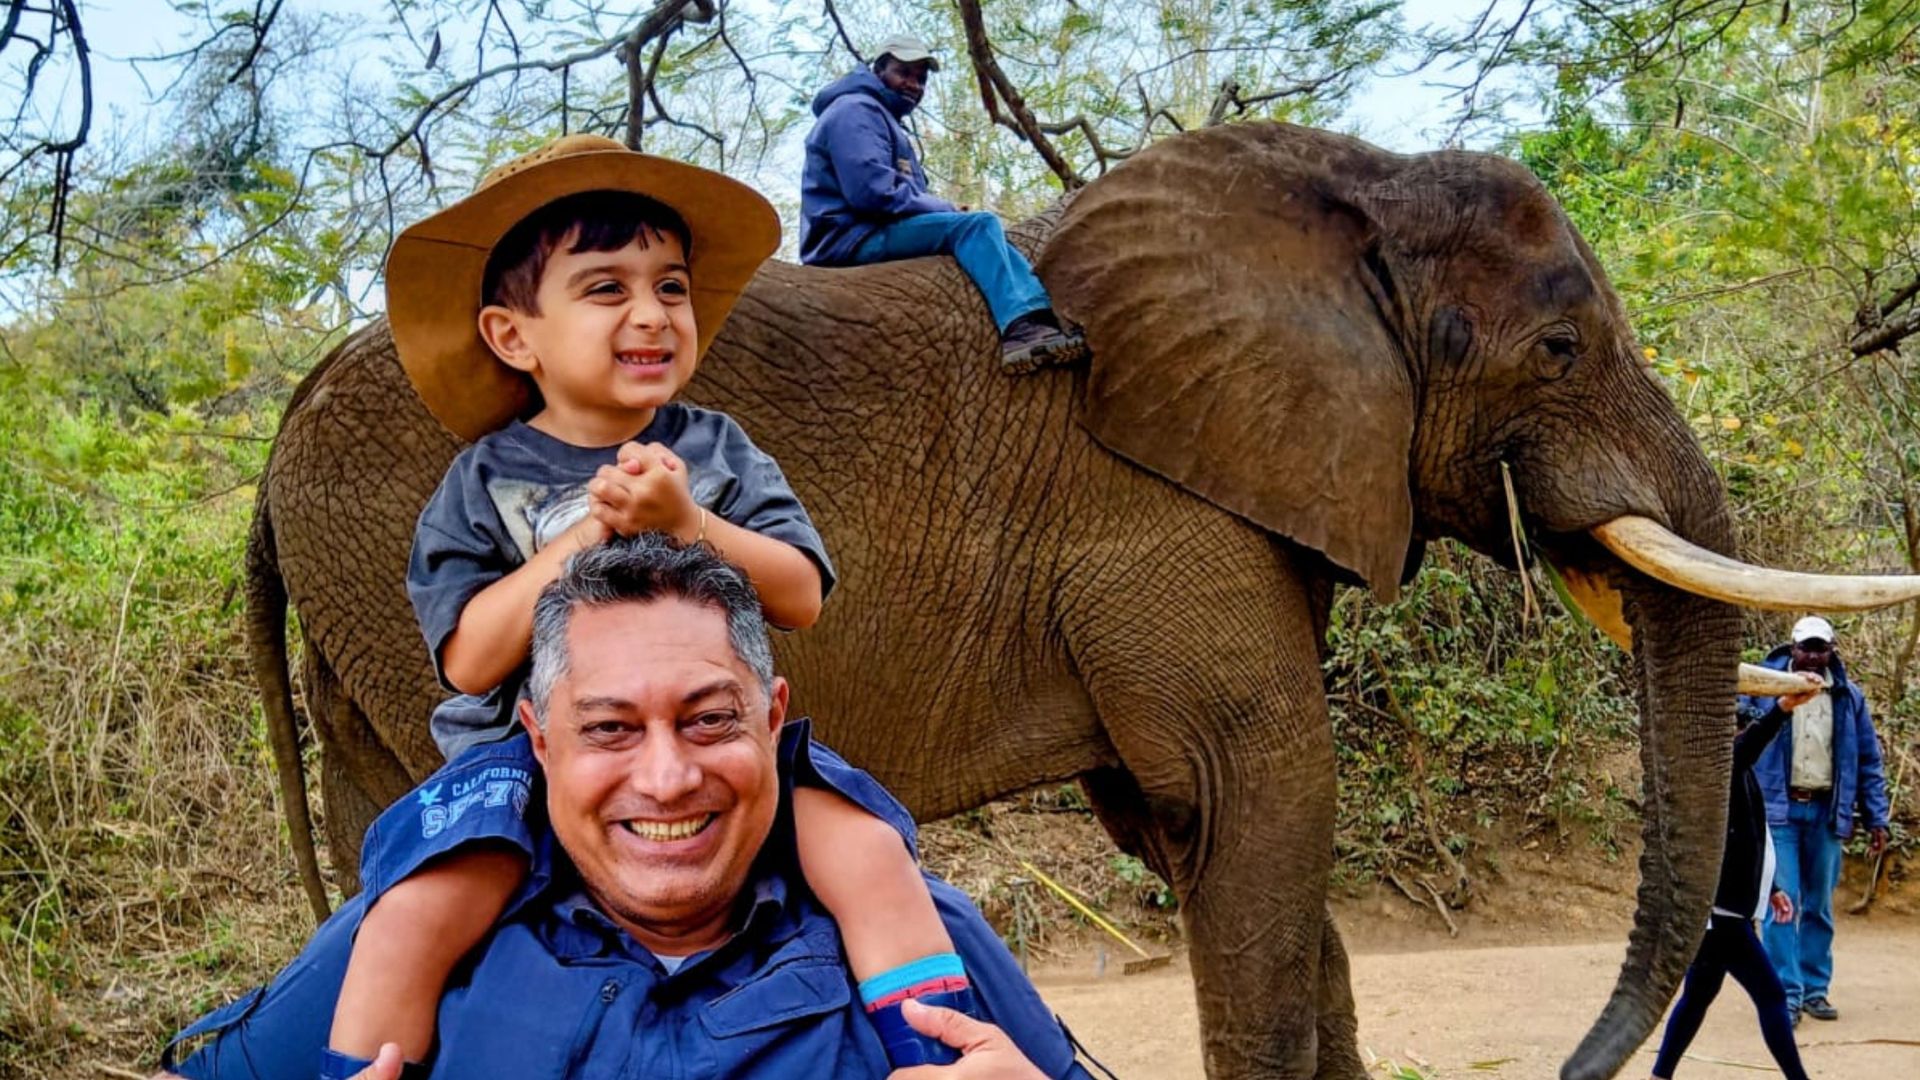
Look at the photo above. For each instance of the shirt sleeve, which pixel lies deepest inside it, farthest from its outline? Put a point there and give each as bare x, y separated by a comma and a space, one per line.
460, 547
760, 500
1873, 775
1005, 995
1753, 739
860, 145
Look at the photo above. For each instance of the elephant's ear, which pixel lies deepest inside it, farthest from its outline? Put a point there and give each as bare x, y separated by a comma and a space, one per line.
1233, 299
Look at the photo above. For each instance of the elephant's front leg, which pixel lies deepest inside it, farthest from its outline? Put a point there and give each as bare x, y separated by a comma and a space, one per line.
1219, 715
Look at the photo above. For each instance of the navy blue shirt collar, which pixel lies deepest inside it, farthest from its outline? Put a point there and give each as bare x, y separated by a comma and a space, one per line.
769, 906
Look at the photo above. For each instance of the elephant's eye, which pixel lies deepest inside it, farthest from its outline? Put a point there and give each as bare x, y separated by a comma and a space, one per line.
1558, 353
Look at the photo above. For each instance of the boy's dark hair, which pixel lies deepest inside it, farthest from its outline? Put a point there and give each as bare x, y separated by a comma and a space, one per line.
597, 221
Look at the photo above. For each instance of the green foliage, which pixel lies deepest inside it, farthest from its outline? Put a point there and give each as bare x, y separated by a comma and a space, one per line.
1455, 712
1150, 891
133, 421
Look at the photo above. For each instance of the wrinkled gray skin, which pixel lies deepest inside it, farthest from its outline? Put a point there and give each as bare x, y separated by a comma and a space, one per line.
1041, 578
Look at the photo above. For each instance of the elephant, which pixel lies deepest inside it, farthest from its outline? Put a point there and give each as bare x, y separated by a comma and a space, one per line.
1310, 357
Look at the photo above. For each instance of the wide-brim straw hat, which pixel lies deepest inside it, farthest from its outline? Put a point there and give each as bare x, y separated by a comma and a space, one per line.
435, 269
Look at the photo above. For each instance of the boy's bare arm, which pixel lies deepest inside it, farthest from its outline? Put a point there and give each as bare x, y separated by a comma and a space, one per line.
788, 582
649, 489
496, 626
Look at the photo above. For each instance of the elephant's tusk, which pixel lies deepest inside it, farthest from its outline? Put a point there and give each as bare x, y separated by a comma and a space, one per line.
1654, 550
1767, 682
1600, 603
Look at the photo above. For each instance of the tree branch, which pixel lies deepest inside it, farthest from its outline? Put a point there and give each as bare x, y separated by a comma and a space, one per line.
840, 29
1900, 296
1887, 335
994, 83
260, 25
1231, 97
666, 16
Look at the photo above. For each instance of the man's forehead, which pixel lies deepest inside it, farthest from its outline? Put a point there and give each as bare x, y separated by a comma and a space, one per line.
637, 643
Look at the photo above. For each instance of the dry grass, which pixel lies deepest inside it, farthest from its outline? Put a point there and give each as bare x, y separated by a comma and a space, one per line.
143, 874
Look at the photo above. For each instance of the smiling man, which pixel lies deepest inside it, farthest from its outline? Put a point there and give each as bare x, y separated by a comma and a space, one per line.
673, 935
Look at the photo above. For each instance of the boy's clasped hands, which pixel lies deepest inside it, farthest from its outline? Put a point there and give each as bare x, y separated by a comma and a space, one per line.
645, 490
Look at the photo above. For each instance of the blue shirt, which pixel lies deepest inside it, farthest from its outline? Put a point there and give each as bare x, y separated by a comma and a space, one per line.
515, 489
861, 170
560, 991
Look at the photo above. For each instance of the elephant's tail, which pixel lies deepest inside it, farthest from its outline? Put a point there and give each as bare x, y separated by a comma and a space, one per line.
267, 647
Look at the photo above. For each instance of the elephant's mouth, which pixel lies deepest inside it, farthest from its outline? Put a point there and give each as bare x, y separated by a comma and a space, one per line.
1663, 555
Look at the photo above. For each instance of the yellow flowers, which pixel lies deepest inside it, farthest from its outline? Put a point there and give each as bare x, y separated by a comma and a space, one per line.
1730, 423
1650, 352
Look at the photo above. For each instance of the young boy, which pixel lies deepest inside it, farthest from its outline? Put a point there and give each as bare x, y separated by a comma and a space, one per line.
589, 280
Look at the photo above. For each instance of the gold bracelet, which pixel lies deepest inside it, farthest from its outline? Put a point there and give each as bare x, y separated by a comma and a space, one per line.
701, 536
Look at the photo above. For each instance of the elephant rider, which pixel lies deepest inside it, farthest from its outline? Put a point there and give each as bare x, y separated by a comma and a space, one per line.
864, 199
653, 697
1814, 776
553, 317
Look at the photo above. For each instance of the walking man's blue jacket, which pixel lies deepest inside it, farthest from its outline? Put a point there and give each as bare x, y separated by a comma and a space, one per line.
861, 169
1858, 775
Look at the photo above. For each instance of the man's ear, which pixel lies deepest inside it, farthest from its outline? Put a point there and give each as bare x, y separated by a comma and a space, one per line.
777, 706
535, 733
500, 328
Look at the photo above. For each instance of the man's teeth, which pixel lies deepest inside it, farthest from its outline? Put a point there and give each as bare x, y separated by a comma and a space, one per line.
668, 830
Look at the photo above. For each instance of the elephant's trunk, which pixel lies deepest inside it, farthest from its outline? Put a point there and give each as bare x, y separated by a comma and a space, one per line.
1686, 647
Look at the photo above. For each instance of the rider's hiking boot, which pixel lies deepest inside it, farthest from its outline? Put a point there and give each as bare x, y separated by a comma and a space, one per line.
1036, 340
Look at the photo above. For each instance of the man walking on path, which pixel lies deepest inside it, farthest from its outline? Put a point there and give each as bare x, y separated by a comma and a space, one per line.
864, 199
1823, 767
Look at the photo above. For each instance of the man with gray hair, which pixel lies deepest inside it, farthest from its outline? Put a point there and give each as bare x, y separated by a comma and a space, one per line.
670, 934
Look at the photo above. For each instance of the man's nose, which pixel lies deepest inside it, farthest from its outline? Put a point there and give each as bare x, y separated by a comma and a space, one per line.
664, 772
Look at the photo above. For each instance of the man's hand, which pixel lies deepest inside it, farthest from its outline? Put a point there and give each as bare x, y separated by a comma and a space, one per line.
1782, 906
1790, 702
1876, 841
985, 1051
645, 491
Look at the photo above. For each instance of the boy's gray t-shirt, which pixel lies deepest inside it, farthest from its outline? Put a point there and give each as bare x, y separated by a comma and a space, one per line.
505, 496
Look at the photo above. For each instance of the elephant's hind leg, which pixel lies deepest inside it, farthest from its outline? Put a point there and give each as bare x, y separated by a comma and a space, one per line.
359, 777
1218, 715
1120, 806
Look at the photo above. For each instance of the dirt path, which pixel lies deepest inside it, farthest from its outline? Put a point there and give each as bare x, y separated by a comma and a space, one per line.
1515, 1011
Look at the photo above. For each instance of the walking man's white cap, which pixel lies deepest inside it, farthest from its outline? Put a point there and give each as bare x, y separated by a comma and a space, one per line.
908, 50
1812, 628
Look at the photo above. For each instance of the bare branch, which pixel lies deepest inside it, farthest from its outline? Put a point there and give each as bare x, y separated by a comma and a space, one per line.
1102, 153
994, 83
1231, 97
259, 24
1900, 296
666, 16
1887, 335
840, 29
